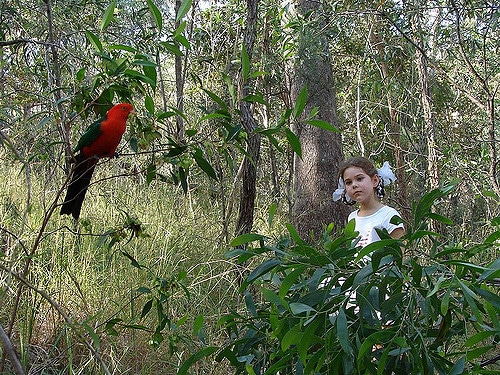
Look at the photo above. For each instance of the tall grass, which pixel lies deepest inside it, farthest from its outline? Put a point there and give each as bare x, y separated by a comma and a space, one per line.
92, 280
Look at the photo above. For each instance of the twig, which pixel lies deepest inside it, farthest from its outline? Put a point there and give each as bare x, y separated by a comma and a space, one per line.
11, 353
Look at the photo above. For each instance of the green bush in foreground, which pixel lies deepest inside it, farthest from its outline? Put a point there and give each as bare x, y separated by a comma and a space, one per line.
326, 309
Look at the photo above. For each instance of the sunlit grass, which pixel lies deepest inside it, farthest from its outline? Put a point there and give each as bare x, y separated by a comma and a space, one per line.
94, 282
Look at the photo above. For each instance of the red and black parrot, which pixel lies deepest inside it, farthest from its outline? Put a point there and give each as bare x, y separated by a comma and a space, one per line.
100, 140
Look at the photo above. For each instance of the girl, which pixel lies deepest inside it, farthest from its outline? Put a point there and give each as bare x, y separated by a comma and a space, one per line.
361, 182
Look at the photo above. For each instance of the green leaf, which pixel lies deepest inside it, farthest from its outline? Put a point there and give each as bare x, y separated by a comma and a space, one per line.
291, 337
122, 47
445, 302
458, 368
342, 332
150, 173
258, 74
212, 116
205, 352
249, 369
80, 75
471, 299
183, 179
216, 99
198, 324
144, 63
294, 234
490, 194
93, 335
471, 266
492, 271
290, 280
250, 303
372, 247
245, 63
440, 218
182, 40
255, 98
156, 14
491, 298
141, 77
149, 104
273, 298
308, 340
270, 217
172, 48
300, 103
108, 15
183, 9
375, 338
246, 238
298, 308
436, 286
204, 164
110, 326
263, 269
478, 337
323, 125
492, 237
133, 262
147, 308
94, 40
294, 142
478, 352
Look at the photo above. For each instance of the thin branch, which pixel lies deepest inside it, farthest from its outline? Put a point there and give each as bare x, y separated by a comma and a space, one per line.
5, 43
433, 63
11, 353
464, 55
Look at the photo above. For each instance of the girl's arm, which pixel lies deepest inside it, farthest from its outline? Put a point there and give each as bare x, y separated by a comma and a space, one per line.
398, 233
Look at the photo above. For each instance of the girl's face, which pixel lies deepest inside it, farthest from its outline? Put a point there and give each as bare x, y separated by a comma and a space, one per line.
359, 185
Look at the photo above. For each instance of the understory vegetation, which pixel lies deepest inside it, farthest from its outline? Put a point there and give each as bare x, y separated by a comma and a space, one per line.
152, 287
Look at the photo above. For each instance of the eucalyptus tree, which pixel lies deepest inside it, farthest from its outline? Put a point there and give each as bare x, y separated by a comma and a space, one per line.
315, 169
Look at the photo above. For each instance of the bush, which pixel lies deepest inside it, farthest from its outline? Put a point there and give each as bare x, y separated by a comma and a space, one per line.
336, 308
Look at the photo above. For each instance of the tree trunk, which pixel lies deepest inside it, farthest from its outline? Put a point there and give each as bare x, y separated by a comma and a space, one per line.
425, 95
315, 174
244, 222
54, 80
494, 175
179, 84
379, 44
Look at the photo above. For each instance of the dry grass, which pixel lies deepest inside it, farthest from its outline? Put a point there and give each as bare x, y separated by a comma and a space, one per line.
92, 282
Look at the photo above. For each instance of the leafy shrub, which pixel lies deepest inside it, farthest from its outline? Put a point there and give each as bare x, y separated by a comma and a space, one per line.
336, 308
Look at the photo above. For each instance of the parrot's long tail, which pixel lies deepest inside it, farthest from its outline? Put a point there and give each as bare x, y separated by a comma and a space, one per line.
80, 181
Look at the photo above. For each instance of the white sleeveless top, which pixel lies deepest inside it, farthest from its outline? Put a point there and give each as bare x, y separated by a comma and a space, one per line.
380, 219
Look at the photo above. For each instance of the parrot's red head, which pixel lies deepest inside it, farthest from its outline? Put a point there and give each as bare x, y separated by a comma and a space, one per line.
120, 111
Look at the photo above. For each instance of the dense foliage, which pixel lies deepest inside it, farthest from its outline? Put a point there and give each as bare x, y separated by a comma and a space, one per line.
414, 305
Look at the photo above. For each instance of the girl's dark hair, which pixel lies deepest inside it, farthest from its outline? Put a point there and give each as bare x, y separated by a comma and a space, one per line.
358, 161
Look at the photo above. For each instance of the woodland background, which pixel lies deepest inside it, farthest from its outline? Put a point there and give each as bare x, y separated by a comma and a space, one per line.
243, 112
